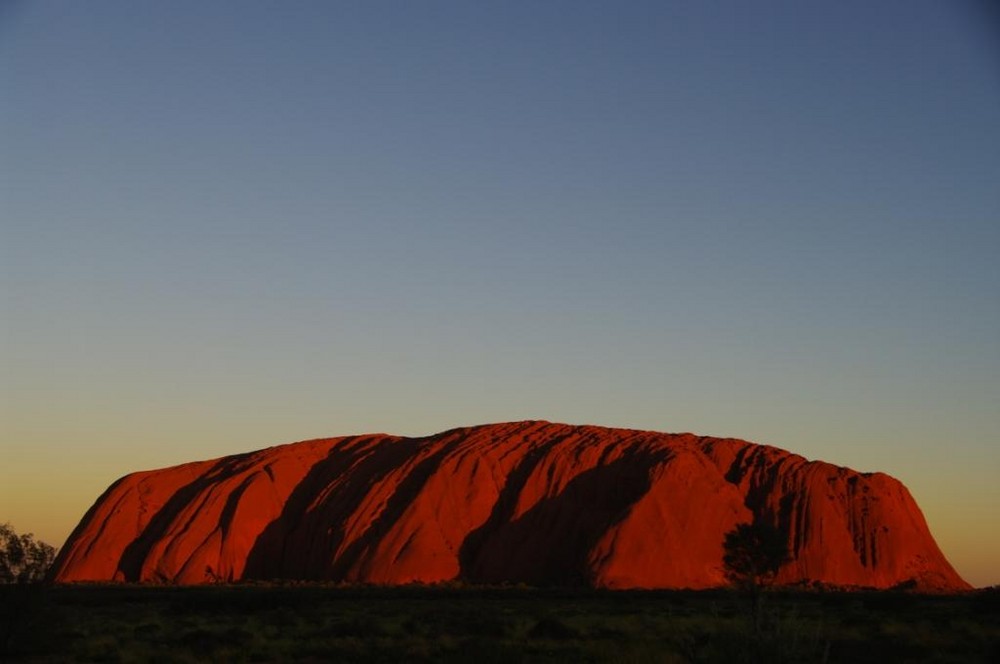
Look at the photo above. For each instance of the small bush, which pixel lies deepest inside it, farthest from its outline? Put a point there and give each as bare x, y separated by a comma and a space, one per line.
551, 628
22, 559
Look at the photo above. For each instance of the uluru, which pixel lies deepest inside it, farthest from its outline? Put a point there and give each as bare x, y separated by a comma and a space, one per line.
524, 502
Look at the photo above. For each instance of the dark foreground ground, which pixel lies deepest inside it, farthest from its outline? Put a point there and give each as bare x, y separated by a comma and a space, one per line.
319, 624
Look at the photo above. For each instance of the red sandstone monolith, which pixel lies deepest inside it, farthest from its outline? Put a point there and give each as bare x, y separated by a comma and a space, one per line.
525, 502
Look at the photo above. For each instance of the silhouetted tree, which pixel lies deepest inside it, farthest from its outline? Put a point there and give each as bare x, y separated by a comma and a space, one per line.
24, 564
752, 555
22, 559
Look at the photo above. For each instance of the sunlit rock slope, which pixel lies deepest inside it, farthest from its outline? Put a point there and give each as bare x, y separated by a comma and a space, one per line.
531, 502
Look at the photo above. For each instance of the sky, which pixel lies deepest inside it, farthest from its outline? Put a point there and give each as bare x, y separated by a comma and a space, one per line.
227, 226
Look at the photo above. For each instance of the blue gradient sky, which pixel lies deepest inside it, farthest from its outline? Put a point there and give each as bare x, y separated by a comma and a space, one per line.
231, 225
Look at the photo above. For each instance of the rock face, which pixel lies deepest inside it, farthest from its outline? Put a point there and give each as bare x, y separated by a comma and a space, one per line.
531, 502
